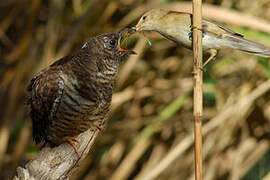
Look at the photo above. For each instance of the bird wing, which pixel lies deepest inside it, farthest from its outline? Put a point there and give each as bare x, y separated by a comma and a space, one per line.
230, 31
217, 29
45, 90
207, 25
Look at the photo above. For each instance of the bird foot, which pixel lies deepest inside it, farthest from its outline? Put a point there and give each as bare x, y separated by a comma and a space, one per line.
99, 127
201, 68
203, 29
71, 141
192, 27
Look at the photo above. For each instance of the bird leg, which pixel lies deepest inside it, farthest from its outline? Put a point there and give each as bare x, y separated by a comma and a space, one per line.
213, 53
71, 141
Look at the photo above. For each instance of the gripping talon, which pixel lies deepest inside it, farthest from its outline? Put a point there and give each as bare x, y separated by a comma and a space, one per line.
202, 69
192, 27
204, 29
71, 141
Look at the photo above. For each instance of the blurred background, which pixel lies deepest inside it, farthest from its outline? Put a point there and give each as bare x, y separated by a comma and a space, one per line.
150, 131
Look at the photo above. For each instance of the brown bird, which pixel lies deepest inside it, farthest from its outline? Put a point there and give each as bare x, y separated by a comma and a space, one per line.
74, 93
177, 26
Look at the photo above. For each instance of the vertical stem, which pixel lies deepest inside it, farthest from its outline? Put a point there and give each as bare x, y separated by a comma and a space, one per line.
198, 92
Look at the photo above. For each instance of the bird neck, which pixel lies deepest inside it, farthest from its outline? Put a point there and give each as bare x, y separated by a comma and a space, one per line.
97, 66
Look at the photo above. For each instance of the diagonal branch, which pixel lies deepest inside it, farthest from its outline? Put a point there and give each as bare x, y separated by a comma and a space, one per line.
58, 162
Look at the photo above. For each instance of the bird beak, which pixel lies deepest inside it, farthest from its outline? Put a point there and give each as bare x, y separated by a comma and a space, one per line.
124, 33
138, 27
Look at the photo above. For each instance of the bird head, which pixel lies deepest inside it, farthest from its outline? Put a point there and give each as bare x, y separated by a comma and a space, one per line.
150, 20
105, 51
110, 44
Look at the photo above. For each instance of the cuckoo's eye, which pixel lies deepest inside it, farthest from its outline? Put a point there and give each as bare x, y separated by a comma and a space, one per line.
113, 42
144, 17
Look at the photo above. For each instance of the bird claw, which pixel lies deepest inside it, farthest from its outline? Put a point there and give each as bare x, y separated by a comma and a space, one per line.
202, 69
192, 27
99, 128
71, 141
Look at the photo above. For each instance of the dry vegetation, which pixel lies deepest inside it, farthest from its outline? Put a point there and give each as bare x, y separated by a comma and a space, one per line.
150, 132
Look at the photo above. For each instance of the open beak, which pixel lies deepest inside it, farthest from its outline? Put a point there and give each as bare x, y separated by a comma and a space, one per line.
125, 33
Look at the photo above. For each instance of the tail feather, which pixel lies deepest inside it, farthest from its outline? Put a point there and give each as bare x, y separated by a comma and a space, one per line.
246, 45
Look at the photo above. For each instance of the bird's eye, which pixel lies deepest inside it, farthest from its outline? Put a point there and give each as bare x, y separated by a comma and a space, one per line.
144, 17
113, 42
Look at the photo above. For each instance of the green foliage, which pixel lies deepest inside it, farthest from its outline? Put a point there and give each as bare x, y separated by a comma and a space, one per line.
260, 169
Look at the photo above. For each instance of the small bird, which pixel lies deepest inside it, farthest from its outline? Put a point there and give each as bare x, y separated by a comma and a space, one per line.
74, 94
177, 26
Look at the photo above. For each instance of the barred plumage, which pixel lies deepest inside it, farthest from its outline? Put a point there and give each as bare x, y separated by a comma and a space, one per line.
74, 94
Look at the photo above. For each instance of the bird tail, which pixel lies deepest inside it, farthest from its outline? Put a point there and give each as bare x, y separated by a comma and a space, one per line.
245, 45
